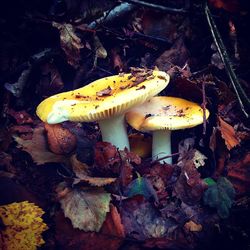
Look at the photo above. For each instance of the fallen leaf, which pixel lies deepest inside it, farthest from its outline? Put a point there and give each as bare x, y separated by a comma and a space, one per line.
106, 156
173, 211
86, 208
79, 168
140, 145
141, 186
220, 151
176, 55
17, 88
159, 176
199, 159
5, 139
21, 117
16, 191
95, 181
189, 186
220, 196
21, 129
192, 226
228, 134
239, 174
50, 80
127, 160
117, 61
60, 139
187, 89
126, 175
209, 181
23, 226
228, 5
110, 236
162, 26
37, 148
83, 174
141, 220
70, 43
100, 51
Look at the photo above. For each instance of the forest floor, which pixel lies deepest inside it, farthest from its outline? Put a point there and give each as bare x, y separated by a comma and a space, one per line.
89, 194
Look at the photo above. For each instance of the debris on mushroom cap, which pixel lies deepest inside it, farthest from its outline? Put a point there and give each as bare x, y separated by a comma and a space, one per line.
102, 98
165, 113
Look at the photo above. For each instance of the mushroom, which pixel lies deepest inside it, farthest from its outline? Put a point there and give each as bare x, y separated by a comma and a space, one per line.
105, 100
161, 114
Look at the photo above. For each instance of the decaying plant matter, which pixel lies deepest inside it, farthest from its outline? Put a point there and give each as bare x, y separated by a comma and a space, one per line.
80, 184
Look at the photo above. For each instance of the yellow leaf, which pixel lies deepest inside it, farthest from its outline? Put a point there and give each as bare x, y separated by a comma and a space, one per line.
23, 226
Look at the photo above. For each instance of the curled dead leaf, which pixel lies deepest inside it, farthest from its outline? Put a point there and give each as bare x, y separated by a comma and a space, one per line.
61, 140
192, 226
228, 134
239, 174
37, 148
70, 43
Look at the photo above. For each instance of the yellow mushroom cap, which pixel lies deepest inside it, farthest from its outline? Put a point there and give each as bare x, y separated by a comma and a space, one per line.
165, 113
101, 99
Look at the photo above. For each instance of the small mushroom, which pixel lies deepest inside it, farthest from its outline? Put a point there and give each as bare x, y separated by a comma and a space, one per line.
162, 114
104, 100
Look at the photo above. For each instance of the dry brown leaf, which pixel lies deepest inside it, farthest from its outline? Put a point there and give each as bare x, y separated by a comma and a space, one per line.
37, 148
80, 168
21, 117
228, 134
110, 236
50, 80
95, 181
82, 173
117, 61
176, 55
228, 5
192, 226
239, 174
70, 43
60, 139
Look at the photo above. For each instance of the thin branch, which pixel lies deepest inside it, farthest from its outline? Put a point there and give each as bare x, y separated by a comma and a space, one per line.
240, 93
112, 14
157, 7
203, 105
165, 157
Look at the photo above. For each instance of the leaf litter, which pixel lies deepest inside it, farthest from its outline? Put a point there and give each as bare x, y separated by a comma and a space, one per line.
98, 197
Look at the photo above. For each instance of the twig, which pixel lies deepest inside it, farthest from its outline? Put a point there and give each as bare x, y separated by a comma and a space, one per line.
240, 93
157, 7
203, 105
110, 15
136, 35
165, 157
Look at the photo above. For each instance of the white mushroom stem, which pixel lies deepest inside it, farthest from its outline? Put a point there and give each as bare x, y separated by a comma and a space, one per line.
114, 131
162, 145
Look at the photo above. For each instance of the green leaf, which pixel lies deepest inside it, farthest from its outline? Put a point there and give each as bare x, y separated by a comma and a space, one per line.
220, 196
209, 181
141, 186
